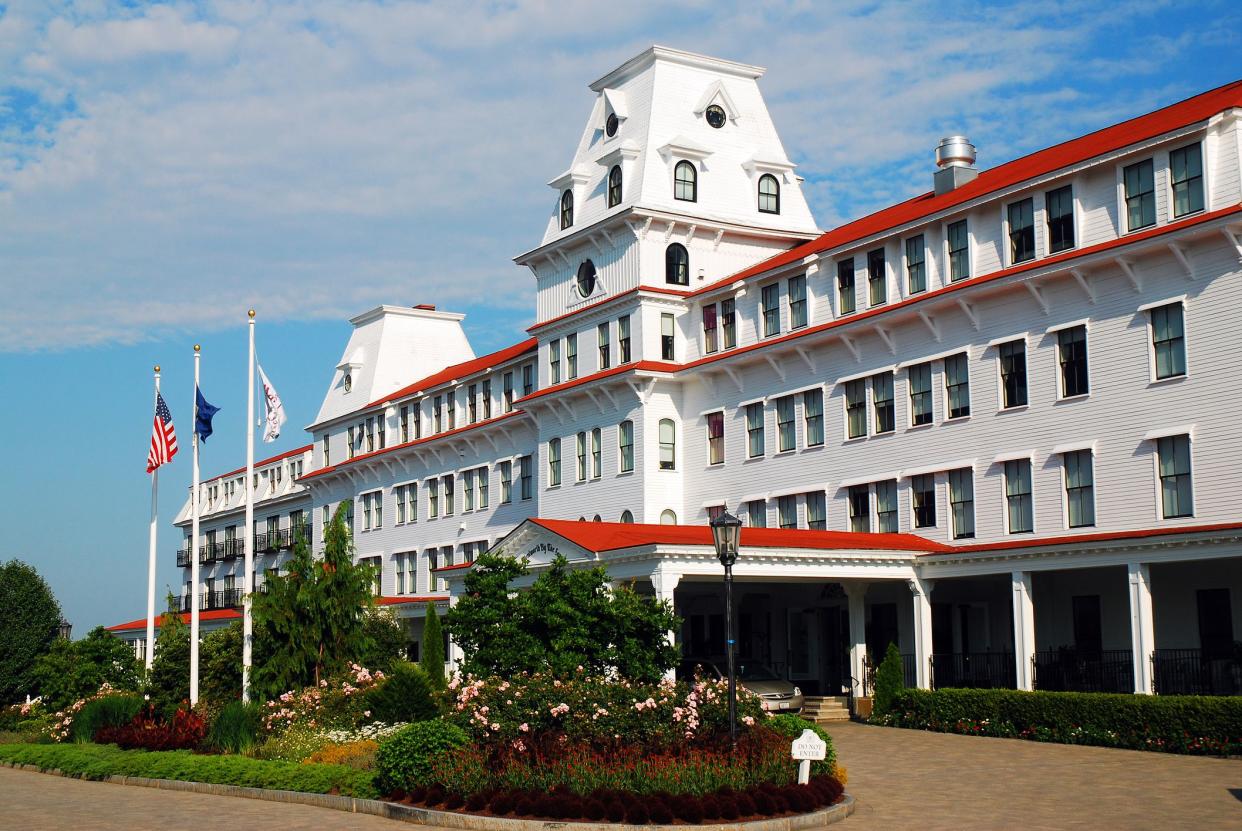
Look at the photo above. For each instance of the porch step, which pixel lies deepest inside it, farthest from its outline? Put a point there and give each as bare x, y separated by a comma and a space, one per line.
826, 708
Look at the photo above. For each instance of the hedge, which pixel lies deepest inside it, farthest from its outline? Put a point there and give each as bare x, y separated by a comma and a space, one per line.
1168, 723
90, 761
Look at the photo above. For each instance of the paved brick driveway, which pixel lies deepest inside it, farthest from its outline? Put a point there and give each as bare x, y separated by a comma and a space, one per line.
914, 779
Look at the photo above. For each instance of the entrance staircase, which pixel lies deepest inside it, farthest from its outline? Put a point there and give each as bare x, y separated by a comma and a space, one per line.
820, 709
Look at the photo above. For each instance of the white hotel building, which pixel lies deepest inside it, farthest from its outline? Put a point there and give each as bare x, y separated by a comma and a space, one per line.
990, 424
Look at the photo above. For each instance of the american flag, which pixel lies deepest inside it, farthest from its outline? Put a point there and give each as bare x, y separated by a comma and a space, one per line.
163, 436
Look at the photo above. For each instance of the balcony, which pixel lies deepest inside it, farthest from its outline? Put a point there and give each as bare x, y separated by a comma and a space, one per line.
206, 554
979, 670
1075, 670
1190, 672
219, 599
183, 557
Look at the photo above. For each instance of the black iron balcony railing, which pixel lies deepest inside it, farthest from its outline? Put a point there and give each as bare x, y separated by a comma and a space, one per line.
207, 553
1076, 670
183, 557
979, 670
1190, 672
218, 599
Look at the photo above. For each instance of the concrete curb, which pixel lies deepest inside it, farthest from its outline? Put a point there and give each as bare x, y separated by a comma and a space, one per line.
452, 819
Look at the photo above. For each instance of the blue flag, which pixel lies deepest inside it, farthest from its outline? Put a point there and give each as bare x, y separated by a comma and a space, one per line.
202, 424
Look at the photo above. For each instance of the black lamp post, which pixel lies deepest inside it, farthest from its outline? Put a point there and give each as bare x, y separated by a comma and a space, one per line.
726, 536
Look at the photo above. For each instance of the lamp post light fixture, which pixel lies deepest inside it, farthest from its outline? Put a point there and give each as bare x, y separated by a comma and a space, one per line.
726, 537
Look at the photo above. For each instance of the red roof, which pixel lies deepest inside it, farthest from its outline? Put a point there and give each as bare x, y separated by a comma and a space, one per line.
461, 370
610, 536
1191, 111
1099, 536
457, 567
646, 366
614, 298
214, 614
294, 452
411, 598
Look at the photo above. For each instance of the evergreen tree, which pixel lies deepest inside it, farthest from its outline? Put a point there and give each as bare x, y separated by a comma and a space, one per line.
890, 680
169, 682
29, 622
220, 662
432, 660
388, 639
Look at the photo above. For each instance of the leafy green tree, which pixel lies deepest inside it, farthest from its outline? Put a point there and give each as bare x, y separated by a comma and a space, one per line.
75, 669
890, 680
169, 681
311, 616
569, 618
387, 640
29, 619
432, 659
220, 660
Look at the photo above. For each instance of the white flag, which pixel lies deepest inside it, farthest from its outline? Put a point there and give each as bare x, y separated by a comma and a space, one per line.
274, 409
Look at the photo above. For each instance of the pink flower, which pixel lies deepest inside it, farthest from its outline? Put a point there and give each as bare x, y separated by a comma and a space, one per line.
524, 727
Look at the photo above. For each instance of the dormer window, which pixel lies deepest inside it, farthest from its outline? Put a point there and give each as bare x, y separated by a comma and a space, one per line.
349, 382
567, 209
769, 194
685, 182
611, 124
614, 186
716, 116
677, 265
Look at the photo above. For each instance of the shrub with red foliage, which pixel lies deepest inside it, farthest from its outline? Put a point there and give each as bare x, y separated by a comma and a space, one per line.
502, 803
454, 801
745, 805
186, 731
637, 814
659, 812
615, 811
728, 808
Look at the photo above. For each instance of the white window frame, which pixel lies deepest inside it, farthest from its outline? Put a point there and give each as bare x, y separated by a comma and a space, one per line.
995, 344
1152, 438
1052, 332
1060, 452
1145, 310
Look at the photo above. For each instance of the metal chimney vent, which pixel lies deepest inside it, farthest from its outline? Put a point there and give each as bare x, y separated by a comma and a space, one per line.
955, 160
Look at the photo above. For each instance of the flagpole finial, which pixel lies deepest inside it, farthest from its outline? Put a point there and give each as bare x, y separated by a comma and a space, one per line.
197, 347
157, 367
251, 314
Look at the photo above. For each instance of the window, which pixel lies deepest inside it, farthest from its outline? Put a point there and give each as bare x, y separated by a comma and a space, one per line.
370, 435
433, 498
787, 511
399, 496
786, 431
554, 462
1176, 498
1168, 340
916, 265
506, 482
715, 512
481, 479
1140, 188
625, 445
604, 339
508, 391
856, 408
860, 508
487, 398
554, 362
349, 444
623, 338
1072, 353
614, 187
882, 401
667, 343
627, 517
1059, 205
797, 301
685, 182
668, 444
886, 506
962, 502
715, 438
813, 415
1018, 496
846, 292
677, 265
399, 562
957, 385
877, 278
327, 461
450, 500
528, 379
526, 476
710, 340
1013, 373
757, 513
582, 456
571, 355
959, 251
769, 194
816, 514
611, 123
715, 116
771, 310
1186, 172
467, 481
1022, 231
567, 209
596, 451
405, 423
1079, 488
411, 502
472, 403
668, 517
728, 323
754, 430
919, 378
923, 500
451, 409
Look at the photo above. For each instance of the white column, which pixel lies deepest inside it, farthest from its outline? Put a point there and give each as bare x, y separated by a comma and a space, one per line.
1142, 630
454, 655
1023, 630
857, 592
921, 591
665, 584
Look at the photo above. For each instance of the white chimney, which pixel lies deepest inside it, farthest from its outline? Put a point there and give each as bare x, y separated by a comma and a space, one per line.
955, 160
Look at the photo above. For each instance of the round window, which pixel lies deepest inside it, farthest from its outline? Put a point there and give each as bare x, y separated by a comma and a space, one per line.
349, 382
586, 278
716, 116
611, 124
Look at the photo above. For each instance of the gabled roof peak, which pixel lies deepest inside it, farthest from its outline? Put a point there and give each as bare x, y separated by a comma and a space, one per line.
652, 54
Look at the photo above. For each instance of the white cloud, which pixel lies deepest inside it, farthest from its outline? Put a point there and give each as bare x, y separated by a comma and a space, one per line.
313, 157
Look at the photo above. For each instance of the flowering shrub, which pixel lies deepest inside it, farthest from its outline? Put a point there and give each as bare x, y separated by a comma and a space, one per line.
374, 732
295, 744
185, 731
336, 703
63, 725
359, 755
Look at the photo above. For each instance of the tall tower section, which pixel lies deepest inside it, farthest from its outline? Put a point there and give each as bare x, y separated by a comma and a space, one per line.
679, 178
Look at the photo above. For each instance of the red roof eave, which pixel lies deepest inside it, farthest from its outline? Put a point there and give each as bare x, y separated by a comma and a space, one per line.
213, 614
1097, 537
295, 452
458, 371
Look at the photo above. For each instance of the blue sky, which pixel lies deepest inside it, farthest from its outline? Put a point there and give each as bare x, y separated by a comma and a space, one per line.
165, 166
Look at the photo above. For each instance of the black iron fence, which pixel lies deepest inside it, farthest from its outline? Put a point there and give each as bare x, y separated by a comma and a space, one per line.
908, 669
1075, 670
980, 670
1190, 672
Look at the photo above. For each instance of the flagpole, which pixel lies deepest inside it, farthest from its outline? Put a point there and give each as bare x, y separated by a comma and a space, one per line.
248, 579
194, 574
155, 478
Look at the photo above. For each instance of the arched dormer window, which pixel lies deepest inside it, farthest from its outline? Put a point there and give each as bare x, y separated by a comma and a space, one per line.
614, 186
567, 209
769, 194
677, 265
627, 517
685, 182
668, 517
